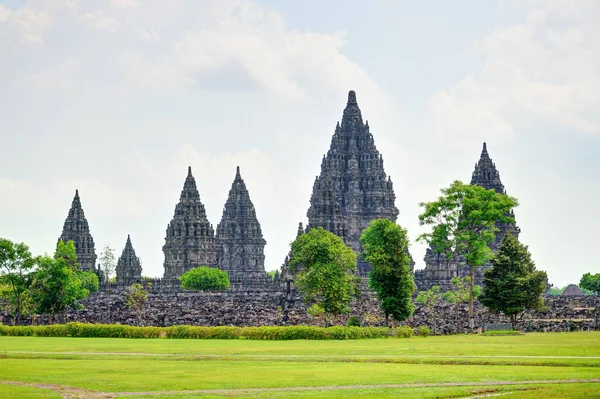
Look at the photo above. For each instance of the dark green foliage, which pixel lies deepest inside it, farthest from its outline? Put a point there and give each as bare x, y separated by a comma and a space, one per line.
463, 224
205, 278
353, 321
58, 284
590, 282
513, 285
198, 332
325, 270
460, 291
423, 331
15, 275
385, 247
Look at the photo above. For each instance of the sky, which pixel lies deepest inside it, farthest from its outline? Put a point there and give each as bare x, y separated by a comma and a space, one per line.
117, 97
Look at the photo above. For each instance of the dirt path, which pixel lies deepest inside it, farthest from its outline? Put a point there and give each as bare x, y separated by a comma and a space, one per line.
77, 393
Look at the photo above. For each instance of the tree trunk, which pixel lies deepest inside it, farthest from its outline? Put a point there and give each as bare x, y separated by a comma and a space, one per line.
50, 318
471, 284
386, 320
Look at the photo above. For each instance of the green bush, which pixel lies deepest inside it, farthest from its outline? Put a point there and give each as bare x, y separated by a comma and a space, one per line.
423, 331
353, 321
200, 332
205, 279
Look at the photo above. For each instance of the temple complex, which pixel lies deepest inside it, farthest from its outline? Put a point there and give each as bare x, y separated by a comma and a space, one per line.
76, 229
352, 188
190, 239
240, 243
439, 270
129, 268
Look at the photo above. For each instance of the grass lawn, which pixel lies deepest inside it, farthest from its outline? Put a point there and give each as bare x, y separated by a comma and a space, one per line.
144, 366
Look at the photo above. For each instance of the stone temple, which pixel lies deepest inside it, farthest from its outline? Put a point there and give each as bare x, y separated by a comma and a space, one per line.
190, 240
352, 188
76, 229
129, 268
439, 270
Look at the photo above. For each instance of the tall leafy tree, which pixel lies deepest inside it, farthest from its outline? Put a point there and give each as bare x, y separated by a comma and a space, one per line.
385, 246
513, 285
590, 282
58, 283
107, 263
16, 264
463, 222
461, 290
325, 269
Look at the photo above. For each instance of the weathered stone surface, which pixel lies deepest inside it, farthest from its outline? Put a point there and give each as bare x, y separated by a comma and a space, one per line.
190, 240
76, 229
352, 188
240, 243
439, 270
572, 290
129, 268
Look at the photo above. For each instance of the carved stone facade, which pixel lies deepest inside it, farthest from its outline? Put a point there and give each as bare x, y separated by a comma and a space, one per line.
129, 268
352, 188
190, 240
240, 243
76, 229
439, 270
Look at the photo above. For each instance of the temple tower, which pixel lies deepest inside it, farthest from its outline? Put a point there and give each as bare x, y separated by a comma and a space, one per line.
439, 270
190, 239
352, 188
76, 229
129, 268
239, 238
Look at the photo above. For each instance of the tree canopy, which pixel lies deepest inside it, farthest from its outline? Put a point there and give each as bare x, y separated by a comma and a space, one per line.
385, 247
590, 282
325, 269
513, 285
16, 264
205, 279
463, 221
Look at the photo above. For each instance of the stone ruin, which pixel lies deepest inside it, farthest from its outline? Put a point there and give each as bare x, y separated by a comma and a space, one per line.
351, 190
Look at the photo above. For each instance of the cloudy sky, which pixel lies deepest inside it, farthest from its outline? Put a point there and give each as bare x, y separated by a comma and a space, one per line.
117, 98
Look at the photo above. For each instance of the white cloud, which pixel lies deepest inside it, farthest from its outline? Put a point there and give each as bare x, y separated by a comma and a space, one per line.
547, 66
126, 3
100, 21
22, 27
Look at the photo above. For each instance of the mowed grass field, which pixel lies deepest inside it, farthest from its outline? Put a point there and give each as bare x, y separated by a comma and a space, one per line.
552, 365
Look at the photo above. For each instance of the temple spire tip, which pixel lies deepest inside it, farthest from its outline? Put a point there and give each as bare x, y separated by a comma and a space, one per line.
351, 97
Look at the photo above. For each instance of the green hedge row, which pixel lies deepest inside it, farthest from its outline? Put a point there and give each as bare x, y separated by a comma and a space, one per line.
197, 332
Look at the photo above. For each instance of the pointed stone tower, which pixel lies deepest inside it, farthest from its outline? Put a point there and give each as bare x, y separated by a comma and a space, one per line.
190, 240
129, 268
439, 270
352, 188
76, 229
240, 241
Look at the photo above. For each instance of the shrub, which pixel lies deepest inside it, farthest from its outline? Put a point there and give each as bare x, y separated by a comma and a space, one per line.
200, 332
423, 331
205, 279
503, 332
353, 321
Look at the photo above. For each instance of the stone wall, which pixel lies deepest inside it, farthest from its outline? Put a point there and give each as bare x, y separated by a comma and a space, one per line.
168, 306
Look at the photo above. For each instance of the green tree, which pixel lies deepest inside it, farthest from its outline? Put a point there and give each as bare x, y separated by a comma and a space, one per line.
429, 299
590, 282
463, 224
461, 290
205, 279
325, 269
513, 285
136, 298
16, 264
107, 263
58, 283
385, 246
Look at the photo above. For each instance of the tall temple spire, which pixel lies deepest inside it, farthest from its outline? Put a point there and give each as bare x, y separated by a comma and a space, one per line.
190, 238
485, 174
352, 188
239, 237
76, 229
129, 268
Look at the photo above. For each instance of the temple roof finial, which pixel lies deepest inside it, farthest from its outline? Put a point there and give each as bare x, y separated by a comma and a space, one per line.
352, 97
189, 170
77, 192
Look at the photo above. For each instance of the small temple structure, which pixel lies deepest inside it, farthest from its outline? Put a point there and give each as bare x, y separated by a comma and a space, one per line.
76, 229
129, 268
